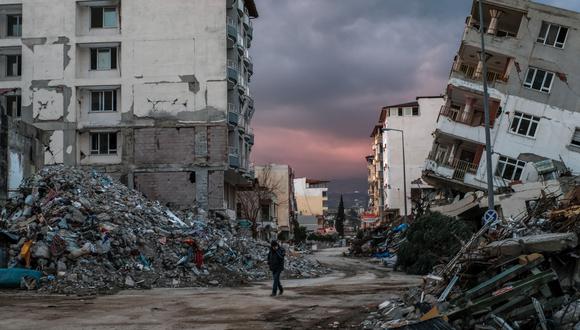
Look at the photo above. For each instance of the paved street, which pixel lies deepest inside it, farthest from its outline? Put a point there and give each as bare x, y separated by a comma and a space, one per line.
316, 303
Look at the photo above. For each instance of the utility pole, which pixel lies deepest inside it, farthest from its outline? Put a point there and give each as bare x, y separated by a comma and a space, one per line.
488, 151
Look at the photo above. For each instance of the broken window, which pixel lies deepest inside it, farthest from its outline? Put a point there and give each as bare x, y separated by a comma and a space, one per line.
538, 79
13, 65
13, 106
509, 168
103, 58
103, 17
103, 143
104, 100
14, 28
526, 125
576, 138
553, 35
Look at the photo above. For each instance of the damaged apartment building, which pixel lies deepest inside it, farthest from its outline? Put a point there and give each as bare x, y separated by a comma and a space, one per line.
534, 82
153, 92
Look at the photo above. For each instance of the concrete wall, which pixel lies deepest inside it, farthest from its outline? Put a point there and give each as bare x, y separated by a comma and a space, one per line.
281, 176
418, 139
21, 154
310, 201
171, 73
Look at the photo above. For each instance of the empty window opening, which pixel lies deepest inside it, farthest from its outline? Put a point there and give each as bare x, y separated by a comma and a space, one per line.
524, 124
103, 143
104, 17
576, 138
103, 58
13, 106
415, 111
553, 35
104, 101
538, 79
509, 168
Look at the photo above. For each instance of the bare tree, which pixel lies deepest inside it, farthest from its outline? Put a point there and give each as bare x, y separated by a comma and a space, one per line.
264, 189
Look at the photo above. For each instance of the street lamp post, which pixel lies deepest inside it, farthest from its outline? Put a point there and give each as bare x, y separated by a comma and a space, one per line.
404, 169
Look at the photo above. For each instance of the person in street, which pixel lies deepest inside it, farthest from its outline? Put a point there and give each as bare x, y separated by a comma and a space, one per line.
276, 263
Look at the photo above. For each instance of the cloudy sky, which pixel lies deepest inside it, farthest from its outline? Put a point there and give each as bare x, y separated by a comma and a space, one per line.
324, 68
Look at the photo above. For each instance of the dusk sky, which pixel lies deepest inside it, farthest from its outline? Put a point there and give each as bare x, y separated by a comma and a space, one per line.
324, 68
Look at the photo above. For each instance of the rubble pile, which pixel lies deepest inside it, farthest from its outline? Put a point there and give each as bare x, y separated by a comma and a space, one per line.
519, 273
382, 244
87, 233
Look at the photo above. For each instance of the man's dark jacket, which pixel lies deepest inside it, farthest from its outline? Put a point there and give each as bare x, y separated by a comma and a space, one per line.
276, 259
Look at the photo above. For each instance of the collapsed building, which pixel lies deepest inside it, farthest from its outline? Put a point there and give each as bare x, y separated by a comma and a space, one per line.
533, 77
121, 86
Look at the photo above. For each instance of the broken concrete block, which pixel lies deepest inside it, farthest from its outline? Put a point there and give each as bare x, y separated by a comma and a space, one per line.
532, 244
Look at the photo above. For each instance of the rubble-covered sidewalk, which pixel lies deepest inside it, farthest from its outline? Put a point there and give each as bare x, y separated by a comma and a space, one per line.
515, 273
79, 232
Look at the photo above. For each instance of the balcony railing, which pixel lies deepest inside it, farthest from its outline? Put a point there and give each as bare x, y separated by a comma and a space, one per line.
232, 70
234, 157
458, 116
469, 72
232, 28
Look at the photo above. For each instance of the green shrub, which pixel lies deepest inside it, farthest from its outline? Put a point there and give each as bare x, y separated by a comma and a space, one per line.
432, 239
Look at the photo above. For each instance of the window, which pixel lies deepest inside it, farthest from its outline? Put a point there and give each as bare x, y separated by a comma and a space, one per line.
553, 35
13, 65
539, 79
13, 107
393, 112
14, 28
415, 111
400, 112
103, 143
103, 17
103, 58
408, 112
576, 138
104, 100
509, 168
526, 125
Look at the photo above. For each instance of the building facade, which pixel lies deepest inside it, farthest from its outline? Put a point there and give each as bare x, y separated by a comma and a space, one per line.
534, 78
417, 121
311, 197
375, 171
284, 211
154, 93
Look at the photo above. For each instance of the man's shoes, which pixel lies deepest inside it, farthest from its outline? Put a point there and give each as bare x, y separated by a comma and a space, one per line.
281, 291
273, 295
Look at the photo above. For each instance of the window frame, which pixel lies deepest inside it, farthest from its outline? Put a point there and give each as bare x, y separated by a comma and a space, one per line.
544, 39
533, 78
518, 118
18, 66
113, 58
502, 164
99, 139
18, 100
102, 101
101, 24
9, 27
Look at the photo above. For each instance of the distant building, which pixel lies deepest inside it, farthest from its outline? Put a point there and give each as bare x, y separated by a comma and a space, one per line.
534, 82
375, 172
311, 196
284, 211
417, 121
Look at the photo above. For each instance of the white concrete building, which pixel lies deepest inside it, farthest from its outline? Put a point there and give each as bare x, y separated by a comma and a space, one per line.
534, 77
311, 196
153, 92
417, 121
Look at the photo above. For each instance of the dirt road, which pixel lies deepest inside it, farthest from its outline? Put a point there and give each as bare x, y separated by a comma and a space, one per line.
306, 304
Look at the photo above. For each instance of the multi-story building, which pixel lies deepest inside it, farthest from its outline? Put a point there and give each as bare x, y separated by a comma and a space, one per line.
534, 78
281, 178
417, 121
153, 92
375, 171
311, 196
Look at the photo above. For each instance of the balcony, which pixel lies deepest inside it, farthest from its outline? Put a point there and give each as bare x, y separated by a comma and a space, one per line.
241, 85
232, 30
467, 67
493, 43
250, 136
501, 26
234, 157
232, 73
233, 114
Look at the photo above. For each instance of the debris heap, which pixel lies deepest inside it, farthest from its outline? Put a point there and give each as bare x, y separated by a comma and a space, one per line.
86, 233
521, 273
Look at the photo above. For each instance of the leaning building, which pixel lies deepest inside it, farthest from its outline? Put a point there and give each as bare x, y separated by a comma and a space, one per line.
153, 92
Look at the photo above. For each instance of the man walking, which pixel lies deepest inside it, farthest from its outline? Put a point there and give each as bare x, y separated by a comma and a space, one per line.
276, 263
